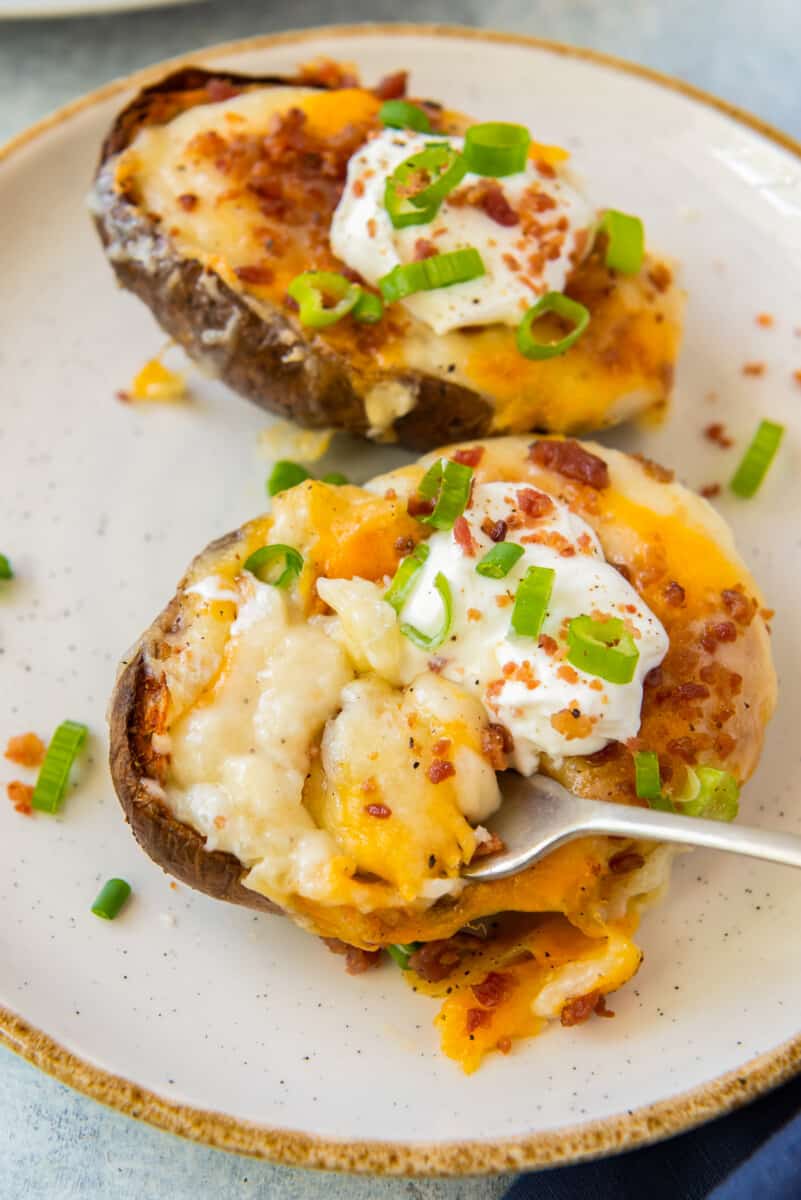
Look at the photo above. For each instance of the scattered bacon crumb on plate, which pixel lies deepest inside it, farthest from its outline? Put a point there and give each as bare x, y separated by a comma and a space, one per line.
25, 750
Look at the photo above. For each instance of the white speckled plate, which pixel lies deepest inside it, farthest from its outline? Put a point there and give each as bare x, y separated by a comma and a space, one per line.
240, 1029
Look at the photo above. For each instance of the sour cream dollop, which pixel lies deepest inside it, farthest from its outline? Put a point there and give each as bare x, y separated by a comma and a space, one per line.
522, 260
548, 705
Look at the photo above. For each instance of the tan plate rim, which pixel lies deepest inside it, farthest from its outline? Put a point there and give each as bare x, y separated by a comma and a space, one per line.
293, 1147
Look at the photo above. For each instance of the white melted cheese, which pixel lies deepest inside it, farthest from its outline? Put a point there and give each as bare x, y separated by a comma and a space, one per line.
362, 235
522, 685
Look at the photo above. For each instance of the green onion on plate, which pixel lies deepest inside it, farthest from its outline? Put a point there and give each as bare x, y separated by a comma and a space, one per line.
602, 648
449, 483
323, 297
426, 641
54, 773
402, 583
111, 898
400, 114
496, 148
561, 306
284, 475
754, 465
439, 271
625, 241
498, 562
532, 598
5, 568
711, 793
262, 563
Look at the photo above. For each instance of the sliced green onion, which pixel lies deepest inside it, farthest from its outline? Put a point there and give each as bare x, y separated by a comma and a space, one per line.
54, 772
400, 114
261, 560
402, 953
496, 148
755, 462
625, 241
441, 270
562, 306
499, 561
335, 478
711, 793
647, 779
403, 580
369, 308
450, 482
532, 598
5, 568
439, 163
111, 898
313, 288
602, 648
284, 475
431, 641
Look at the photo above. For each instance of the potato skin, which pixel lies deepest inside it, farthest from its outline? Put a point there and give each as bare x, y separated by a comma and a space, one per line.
268, 361
176, 847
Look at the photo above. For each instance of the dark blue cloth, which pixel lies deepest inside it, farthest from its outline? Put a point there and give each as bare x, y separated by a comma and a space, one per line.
753, 1154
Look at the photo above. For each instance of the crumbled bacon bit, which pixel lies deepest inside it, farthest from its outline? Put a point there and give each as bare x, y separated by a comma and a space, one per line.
754, 369
220, 89
423, 248
26, 750
674, 594
545, 169
20, 795
504, 1045
567, 673
710, 490
404, 546
328, 73
717, 631
580, 1009
493, 990
476, 1018
765, 320
435, 961
358, 187
219, 821
600, 1008
491, 845
188, 201
441, 747
655, 470
440, 769
372, 227
797, 376
468, 456
495, 530
419, 506
716, 433
474, 614
357, 961
547, 643
259, 275
436, 663
496, 743
382, 811
497, 207
660, 276
464, 538
533, 503
570, 459
392, 87
684, 748
739, 606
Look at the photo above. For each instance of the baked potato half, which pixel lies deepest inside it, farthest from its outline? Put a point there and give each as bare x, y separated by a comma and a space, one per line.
319, 720
215, 192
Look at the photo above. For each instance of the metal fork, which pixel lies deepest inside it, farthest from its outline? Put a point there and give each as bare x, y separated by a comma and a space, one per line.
538, 814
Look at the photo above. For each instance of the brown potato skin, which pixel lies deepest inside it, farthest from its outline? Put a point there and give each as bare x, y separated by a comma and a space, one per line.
176, 847
268, 361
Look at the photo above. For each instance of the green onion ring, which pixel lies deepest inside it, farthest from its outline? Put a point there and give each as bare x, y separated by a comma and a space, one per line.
335, 478
431, 641
441, 270
711, 793
400, 114
285, 475
111, 898
648, 782
259, 562
369, 308
602, 648
312, 288
450, 483
403, 580
402, 953
625, 241
532, 598
5, 568
754, 465
496, 148
498, 562
562, 306
440, 162
51, 783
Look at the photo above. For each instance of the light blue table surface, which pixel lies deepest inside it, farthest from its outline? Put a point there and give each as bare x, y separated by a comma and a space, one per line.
55, 1144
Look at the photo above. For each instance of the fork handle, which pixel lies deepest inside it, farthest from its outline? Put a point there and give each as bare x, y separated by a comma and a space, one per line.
673, 827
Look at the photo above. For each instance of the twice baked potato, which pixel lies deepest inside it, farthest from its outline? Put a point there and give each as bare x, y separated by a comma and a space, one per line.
319, 720
217, 193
